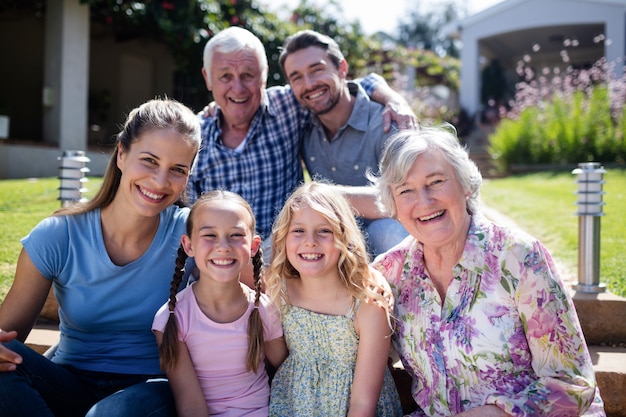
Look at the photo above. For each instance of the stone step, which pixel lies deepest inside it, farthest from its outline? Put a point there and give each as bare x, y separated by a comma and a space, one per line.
603, 320
43, 336
609, 364
602, 317
485, 163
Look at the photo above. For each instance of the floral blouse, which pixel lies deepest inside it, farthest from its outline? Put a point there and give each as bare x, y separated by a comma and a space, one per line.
506, 334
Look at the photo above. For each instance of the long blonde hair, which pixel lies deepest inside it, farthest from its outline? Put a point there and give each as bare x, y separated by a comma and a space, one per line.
353, 264
168, 350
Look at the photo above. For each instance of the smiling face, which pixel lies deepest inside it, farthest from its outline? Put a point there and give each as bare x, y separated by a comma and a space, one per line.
430, 202
310, 244
155, 170
221, 240
316, 82
237, 83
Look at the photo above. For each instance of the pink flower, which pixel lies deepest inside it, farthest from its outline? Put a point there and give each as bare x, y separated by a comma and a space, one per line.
541, 323
563, 404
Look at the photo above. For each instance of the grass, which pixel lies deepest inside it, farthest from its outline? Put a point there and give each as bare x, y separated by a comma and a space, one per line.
23, 203
543, 204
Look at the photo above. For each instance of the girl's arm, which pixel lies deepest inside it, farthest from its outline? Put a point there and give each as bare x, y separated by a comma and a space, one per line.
190, 401
276, 351
374, 343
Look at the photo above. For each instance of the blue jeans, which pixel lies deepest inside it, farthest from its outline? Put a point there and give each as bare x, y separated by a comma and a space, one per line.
42, 388
382, 234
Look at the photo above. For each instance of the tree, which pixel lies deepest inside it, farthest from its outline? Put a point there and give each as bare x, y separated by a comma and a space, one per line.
422, 29
180, 24
185, 26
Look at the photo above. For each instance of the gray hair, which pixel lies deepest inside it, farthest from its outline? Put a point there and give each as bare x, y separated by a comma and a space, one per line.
235, 39
403, 148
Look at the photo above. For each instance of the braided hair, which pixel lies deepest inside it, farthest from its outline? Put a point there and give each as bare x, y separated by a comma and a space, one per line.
168, 350
255, 324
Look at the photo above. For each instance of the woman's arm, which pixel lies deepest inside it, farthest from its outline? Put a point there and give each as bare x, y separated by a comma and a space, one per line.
21, 307
8, 359
374, 342
190, 400
565, 382
25, 299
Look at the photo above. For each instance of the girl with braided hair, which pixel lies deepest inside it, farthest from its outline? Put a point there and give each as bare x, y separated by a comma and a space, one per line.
214, 335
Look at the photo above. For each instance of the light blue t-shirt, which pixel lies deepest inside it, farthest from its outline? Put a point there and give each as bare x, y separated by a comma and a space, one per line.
105, 310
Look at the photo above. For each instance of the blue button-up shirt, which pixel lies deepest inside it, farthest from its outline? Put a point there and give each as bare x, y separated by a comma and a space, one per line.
356, 147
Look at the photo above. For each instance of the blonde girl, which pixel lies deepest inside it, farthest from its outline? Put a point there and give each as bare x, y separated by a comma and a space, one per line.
214, 335
335, 311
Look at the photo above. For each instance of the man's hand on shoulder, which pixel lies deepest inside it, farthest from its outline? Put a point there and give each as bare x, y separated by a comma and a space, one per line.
208, 111
401, 113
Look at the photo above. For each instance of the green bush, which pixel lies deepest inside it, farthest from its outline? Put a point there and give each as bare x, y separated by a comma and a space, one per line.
512, 142
563, 117
567, 129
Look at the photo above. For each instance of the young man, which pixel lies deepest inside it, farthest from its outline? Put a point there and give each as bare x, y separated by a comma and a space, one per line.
345, 137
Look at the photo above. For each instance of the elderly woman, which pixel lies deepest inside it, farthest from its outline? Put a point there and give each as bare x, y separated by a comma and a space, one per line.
485, 326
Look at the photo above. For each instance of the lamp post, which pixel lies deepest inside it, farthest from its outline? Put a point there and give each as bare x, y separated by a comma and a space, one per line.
72, 175
590, 204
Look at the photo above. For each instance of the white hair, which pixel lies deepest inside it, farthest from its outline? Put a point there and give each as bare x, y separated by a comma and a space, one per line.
403, 148
234, 39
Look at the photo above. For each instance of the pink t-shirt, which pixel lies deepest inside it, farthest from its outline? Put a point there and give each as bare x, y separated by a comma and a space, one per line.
219, 351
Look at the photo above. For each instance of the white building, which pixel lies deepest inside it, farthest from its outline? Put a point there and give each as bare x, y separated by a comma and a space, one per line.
543, 31
52, 60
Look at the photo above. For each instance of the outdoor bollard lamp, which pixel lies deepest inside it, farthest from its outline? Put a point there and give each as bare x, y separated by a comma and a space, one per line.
589, 213
72, 175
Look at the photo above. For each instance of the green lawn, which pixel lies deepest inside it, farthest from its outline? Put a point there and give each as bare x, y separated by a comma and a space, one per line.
23, 203
543, 204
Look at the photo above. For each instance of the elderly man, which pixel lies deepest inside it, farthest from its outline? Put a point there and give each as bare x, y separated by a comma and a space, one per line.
251, 144
345, 137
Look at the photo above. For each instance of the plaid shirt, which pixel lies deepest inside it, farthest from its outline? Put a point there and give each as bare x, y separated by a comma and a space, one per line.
267, 168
